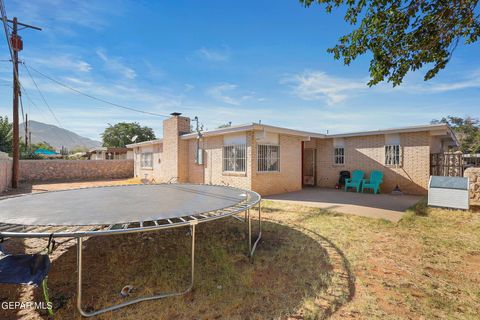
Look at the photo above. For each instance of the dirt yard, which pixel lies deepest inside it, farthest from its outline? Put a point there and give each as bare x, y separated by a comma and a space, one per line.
311, 264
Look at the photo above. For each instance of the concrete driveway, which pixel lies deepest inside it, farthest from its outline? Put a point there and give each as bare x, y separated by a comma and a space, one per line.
382, 206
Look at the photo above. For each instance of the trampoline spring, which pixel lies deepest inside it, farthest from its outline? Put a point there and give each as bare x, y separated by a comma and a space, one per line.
60, 229
155, 222
169, 221
13, 228
44, 229
7, 226
76, 229
183, 220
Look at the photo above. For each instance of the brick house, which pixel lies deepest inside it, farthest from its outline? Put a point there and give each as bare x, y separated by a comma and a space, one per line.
271, 160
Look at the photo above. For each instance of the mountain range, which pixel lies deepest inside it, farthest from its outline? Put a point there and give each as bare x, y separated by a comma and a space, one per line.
56, 137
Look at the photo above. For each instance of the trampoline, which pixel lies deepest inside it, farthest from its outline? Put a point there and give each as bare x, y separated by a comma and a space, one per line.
101, 211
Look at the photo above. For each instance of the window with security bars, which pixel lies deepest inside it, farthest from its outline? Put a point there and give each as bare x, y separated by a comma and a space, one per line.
268, 158
146, 160
393, 155
339, 156
235, 158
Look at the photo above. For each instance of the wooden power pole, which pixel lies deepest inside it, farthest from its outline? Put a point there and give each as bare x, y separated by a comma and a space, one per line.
17, 45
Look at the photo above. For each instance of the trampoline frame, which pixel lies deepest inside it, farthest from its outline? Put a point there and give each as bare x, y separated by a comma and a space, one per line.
80, 232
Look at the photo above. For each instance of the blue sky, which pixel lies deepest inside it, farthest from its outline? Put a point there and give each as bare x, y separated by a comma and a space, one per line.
239, 61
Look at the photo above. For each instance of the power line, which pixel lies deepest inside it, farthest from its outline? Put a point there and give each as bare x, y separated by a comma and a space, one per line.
94, 97
43, 97
5, 27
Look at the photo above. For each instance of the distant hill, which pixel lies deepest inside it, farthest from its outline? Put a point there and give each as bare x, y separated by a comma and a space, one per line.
57, 137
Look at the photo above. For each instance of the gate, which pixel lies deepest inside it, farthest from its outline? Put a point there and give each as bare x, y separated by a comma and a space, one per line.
447, 164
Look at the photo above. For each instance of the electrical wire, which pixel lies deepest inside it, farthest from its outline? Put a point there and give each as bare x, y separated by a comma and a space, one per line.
43, 97
31, 101
94, 97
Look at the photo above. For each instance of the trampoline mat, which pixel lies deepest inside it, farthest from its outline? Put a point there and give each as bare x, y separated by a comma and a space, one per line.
116, 205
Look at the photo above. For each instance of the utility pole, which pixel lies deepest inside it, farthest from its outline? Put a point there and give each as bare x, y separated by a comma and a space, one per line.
17, 45
26, 132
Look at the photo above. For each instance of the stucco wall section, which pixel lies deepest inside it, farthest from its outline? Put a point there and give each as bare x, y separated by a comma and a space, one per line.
367, 153
474, 176
74, 170
289, 178
5, 173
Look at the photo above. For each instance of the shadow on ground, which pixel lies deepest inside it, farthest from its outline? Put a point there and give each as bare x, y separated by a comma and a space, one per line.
295, 274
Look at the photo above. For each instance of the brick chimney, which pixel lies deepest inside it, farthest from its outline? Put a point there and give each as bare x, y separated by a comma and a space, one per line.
174, 164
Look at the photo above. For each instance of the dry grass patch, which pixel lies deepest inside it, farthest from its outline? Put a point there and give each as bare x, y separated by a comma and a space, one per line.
291, 275
425, 266
311, 264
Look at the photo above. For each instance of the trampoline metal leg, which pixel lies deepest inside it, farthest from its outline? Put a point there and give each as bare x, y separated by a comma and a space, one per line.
137, 300
251, 249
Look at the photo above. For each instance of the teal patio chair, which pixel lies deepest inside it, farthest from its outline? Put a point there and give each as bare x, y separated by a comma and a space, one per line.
374, 182
355, 181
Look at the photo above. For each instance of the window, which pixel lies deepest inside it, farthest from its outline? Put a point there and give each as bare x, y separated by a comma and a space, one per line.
235, 158
339, 155
393, 155
268, 158
146, 160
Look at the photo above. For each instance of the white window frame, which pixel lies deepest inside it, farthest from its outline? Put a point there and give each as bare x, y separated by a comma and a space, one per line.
265, 160
393, 155
337, 156
237, 161
143, 162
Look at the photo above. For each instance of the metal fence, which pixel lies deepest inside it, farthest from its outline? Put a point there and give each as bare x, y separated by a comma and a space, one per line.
452, 164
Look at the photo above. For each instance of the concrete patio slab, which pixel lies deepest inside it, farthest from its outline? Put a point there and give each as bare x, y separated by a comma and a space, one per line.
381, 206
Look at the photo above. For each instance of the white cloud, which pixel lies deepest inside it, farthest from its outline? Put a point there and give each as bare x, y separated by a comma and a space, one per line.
63, 61
469, 80
213, 55
116, 65
87, 14
317, 85
220, 93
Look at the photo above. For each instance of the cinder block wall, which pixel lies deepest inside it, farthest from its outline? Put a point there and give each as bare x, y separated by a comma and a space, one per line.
74, 170
367, 153
5, 173
289, 178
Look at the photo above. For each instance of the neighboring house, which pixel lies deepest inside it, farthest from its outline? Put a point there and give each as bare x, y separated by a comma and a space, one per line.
107, 153
271, 160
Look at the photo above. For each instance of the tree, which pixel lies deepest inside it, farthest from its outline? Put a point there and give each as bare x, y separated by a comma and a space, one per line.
225, 125
78, 149
121, 134
402, 35
6, 137
467, 131
41, 145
